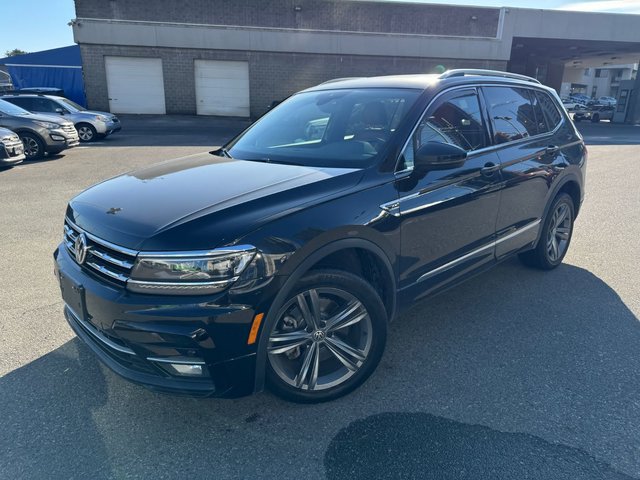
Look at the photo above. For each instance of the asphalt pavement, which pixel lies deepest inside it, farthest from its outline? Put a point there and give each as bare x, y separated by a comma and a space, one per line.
517, 374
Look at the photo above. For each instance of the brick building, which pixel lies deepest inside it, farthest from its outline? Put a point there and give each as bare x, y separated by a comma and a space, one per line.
234, 57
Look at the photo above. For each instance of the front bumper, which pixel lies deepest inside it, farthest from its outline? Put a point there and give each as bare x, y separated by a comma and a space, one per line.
138, 335
61, 139
11, 153
107, 128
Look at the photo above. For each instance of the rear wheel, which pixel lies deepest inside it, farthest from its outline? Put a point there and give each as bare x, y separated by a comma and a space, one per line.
555, 237
327, 339
33, 145
86, 132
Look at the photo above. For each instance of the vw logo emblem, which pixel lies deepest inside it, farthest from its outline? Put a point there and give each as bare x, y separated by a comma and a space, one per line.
81, 248
318, 335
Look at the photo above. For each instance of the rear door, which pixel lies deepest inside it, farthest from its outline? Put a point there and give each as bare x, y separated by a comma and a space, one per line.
524, 122
448, 217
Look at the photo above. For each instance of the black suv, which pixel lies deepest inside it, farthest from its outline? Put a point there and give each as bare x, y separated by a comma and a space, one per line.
281, 258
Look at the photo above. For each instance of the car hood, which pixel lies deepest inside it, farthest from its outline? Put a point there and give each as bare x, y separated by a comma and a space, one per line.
41, 117
201, 201
91, 113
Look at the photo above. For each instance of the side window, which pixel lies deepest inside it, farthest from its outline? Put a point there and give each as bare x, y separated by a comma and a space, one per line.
43, 105
551, 112
511, 112
23, 102
455, 118
541, 121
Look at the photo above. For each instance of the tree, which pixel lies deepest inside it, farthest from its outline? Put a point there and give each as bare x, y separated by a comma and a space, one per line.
14, 52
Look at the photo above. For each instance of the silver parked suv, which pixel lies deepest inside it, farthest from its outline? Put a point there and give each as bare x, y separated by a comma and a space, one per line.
91, 125
40, 134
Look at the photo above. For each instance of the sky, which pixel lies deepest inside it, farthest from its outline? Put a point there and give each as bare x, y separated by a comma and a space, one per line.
47, 19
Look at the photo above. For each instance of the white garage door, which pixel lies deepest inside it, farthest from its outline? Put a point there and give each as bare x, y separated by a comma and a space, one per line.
135, 85
222, 88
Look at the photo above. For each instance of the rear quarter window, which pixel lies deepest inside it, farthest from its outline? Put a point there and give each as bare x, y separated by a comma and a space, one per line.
550, 109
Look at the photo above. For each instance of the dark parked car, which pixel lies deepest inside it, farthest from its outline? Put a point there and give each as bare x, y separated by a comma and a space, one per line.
11, 149
40, 134
281, 258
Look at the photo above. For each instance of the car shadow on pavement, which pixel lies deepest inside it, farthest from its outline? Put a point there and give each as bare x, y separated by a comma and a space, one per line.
515, 374
419, 445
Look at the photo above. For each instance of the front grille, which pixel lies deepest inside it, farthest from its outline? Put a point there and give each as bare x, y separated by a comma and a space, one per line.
103, 258
69, 128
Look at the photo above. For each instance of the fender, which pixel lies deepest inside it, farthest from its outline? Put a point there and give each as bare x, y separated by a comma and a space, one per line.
300, 270
566, 178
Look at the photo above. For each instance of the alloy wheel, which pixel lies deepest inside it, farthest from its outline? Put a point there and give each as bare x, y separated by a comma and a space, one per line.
559, 232
85, 133
322, 338
31, 147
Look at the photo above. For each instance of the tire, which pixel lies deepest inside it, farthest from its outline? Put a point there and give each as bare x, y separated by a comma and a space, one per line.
595, 118
554, 231
340, 352
576, 119
86, 132
33, 145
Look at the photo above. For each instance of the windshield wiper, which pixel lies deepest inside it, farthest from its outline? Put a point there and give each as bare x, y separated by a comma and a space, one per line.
221, 152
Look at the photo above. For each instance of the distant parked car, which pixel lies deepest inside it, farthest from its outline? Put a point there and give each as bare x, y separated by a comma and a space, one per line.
40, 134
572, 105
595, 114
609, 101
91, 125
11, 149
580, 98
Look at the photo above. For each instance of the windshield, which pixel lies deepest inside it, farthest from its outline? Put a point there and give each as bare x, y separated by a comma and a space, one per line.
71, 105
11, 109
335, 128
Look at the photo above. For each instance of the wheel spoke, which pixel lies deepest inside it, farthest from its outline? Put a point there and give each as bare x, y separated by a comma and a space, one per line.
562, 233
348, 355
349, 316
307, 362
554, 248
562, 215
310, 315
283, 342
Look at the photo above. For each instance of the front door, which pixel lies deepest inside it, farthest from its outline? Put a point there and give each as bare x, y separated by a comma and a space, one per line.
448, 217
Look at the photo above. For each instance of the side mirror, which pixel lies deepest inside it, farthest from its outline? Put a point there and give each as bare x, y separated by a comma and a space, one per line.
60, 111
439, 156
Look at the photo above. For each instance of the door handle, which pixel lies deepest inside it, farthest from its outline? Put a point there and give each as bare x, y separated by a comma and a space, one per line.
551, 149
489, 169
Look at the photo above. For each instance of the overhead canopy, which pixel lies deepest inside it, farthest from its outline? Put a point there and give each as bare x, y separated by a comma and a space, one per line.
58, 68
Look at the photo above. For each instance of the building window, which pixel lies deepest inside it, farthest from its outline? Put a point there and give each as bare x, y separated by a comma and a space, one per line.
602, 73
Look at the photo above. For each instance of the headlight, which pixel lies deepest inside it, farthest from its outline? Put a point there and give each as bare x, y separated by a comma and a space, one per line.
189, 273
49, 125
102, 118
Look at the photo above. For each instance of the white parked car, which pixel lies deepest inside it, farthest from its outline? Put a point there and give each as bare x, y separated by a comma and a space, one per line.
572, 104
609, 101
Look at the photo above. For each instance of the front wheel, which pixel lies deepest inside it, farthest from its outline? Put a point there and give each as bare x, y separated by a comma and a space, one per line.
555, 237
327, 339
595, 118
86, 132
33, 145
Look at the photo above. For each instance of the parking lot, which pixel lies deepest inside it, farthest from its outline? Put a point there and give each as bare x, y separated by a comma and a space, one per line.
516, 374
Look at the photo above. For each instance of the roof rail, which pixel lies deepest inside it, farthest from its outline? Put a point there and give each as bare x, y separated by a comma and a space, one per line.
340, 80
486, 73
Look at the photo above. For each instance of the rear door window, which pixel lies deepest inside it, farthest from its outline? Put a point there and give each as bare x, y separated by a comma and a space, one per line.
511, 113
23, 102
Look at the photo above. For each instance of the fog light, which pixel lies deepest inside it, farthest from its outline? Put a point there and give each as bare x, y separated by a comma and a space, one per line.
57, 137
186, 369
